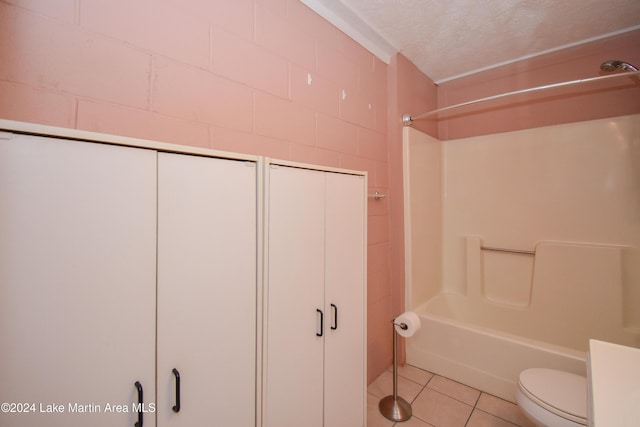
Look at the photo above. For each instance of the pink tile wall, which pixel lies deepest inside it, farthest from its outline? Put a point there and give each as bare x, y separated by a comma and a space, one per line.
265, 77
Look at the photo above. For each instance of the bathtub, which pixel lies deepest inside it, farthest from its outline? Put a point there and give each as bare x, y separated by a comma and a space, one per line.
520, 247
500, 326
487, 359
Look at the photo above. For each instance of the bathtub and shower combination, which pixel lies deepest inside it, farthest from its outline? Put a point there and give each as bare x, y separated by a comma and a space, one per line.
520, 247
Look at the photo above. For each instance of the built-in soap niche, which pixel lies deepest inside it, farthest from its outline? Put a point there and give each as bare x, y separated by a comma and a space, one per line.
555, 288
498, 274
507, 277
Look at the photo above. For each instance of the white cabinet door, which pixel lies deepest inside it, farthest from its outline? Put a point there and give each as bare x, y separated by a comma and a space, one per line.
294, 351
345, 350
77, 281
206, 290
315, 339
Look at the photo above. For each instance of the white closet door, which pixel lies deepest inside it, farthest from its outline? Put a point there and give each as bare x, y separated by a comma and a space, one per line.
206, 290
294, 370
77, 281
345, 399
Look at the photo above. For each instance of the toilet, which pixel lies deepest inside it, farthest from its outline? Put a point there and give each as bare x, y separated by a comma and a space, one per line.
552, 398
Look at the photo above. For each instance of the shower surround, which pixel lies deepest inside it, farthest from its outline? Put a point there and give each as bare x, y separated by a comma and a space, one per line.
568, 195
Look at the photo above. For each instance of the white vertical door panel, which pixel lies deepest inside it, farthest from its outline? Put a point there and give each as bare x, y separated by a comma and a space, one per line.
207, 290
77, 281
294, 353
345, 288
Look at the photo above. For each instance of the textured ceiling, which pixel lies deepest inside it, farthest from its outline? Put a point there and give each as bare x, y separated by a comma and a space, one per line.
447, 39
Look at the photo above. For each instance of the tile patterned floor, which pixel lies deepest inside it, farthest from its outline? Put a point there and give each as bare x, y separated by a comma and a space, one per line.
440, 402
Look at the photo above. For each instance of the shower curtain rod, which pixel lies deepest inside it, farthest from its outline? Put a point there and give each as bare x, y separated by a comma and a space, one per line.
407, 119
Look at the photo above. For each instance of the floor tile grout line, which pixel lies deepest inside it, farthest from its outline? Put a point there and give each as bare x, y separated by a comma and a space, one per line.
419, 393
473, 409
478, 398
469, 417
450, 397
497, 416
416, 382
473, 406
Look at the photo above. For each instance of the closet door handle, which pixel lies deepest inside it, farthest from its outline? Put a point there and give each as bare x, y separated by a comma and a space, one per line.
335, 317
140, 404
176, 407
319, 334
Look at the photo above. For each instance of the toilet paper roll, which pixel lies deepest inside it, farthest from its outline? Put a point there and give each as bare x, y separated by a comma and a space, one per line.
410, 319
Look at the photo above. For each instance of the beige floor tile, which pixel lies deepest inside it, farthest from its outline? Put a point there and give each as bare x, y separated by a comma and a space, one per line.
441, 403
414, 422
383, 386
374, 417
454, 389
503, 409
483, 419
440, 410
414, 374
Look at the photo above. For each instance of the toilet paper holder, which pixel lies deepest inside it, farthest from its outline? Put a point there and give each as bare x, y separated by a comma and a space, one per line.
394, 407
402, 325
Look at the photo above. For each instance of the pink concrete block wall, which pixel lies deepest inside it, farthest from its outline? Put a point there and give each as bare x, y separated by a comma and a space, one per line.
313, 90
265, 77
194, 94
140, 23
44, 107
270, 77
64, 10
59, 57
120, 120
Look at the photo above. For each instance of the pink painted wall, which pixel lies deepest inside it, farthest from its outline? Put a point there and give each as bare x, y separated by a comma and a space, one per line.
228, 75
596, 100
233, 75
410, 91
